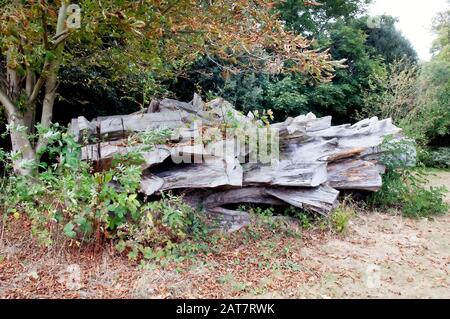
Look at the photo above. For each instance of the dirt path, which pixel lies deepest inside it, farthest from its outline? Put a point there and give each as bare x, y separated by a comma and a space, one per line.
381, 255
384, 256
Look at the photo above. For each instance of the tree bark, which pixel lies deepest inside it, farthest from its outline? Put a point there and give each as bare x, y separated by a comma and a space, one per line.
22, 122
19, 136
52, 79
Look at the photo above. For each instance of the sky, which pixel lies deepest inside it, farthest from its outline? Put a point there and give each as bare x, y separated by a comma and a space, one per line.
415, 19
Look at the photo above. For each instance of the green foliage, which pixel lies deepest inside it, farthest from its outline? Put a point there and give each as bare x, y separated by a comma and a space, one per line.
341, 217
388, 41
337, 221
287, 96
316, 19
362, 80
66, 193
406, 191
433, 112
67, 197
355, 91
437, 157
425, 113
94, 91
404, 187
306, 219
418, 97
166, 230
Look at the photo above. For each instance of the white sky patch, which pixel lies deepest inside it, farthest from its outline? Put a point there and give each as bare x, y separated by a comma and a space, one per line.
415, 19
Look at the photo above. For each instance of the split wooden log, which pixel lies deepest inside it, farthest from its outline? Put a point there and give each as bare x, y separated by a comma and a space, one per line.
319, 199
355, 174
150, 184
286, 173
117, 127
104, 152
316, 159
256, 195
212, 173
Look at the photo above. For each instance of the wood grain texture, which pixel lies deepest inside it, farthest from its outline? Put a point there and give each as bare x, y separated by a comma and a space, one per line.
316, 159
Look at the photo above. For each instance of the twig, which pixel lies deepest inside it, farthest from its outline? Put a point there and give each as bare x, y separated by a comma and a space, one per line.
2, 232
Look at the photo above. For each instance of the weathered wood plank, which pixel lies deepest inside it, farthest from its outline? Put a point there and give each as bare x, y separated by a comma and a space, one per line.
150, 184
213, 172
321, 199
355, 174
241, 195
286, 173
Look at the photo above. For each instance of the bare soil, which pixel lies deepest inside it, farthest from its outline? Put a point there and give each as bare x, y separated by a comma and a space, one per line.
380, 255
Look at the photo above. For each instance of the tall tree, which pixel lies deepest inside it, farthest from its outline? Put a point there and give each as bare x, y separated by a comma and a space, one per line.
387, 40
314, 17
434, 104
38, 36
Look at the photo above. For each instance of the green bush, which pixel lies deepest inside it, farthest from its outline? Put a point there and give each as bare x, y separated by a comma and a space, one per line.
165, 230
341, 216
68, 196
407, 192
437, 158
404, 187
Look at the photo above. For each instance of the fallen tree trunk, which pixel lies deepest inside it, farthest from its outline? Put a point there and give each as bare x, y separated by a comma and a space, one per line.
319, 199
314, 161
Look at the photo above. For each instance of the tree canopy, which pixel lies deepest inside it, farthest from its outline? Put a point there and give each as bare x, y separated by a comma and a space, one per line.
126, 38
338, 25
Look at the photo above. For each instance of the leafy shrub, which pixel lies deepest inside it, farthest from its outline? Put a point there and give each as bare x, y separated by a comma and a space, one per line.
306, 219
407, 192
165, 224
67, 196
341, 217
404, 187
437, 158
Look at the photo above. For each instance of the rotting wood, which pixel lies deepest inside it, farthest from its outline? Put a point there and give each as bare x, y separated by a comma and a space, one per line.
316, 159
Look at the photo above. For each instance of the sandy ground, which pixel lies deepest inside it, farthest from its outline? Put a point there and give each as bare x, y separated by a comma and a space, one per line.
381, 255
384, 256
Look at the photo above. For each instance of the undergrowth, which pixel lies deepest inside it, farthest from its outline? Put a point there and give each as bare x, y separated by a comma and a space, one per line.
68, 199
292, 220
404, 185
437, 157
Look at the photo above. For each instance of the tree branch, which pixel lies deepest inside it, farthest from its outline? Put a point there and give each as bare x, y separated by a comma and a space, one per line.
45, 28
52, 79
11, 109
39, 83
60, 38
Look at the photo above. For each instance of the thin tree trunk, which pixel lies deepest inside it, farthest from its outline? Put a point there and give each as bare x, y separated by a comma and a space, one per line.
19, 137
22, 123
52, 79
21, 143
30, 113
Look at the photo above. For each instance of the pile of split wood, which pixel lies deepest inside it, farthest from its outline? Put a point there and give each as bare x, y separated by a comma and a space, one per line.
315, 159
